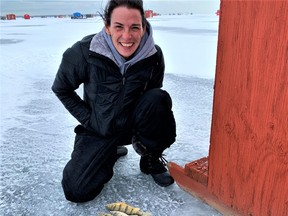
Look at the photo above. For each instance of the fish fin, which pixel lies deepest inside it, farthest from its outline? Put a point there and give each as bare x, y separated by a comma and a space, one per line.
104, 214
118, 213
123, 207
114, 206
144, 214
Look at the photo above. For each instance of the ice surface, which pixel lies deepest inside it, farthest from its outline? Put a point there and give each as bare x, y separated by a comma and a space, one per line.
37, 132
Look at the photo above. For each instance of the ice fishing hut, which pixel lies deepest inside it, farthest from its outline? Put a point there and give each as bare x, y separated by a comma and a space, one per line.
148, 13
246, 171
77, 15
26, 16
10, 16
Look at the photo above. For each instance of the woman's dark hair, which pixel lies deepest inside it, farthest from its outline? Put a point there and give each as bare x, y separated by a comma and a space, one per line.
131, 4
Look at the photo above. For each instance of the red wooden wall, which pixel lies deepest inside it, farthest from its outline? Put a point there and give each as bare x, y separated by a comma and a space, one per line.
248, 158
246, 172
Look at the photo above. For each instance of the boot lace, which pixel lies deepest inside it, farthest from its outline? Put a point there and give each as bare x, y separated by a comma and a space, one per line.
163, 160
157, 159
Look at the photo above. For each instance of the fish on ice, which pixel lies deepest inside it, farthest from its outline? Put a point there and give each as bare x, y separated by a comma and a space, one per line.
127, 209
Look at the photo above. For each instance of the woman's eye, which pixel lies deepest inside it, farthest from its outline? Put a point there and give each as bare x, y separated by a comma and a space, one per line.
135, 28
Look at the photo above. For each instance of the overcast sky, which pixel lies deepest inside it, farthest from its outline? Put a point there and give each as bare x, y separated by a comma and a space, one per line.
63, 7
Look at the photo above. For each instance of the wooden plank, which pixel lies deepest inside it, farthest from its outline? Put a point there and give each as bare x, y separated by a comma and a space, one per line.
248, 156
198, 190
198, 170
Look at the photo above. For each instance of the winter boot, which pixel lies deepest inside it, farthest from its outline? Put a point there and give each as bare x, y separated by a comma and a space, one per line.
154, 164
121, 151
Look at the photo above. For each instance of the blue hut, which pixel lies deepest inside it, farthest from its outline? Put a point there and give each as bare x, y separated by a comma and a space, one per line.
77, 15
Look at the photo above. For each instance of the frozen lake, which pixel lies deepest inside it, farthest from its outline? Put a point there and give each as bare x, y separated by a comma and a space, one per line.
37, 132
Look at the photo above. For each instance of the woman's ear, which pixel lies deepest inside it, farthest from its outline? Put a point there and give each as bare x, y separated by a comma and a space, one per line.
107, 30
144, 30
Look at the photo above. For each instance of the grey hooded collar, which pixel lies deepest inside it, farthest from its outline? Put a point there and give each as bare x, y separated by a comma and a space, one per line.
102, 44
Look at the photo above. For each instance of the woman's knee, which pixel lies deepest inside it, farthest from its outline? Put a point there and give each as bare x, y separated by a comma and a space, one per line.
158, 96
78, 193
90, 167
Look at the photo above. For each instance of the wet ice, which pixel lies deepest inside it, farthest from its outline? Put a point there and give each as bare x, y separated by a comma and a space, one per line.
37, 132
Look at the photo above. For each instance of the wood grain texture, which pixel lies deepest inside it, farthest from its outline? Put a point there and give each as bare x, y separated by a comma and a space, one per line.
248, 157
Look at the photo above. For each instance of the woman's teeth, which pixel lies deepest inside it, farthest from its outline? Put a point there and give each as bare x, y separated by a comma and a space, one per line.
127, 44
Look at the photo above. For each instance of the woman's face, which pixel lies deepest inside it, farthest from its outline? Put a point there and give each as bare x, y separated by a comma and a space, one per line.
126, 30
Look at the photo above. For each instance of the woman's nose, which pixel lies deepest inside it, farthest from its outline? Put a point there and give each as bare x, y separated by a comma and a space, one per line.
126, 34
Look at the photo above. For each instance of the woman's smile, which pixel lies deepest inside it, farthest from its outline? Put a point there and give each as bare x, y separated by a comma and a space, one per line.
126, 30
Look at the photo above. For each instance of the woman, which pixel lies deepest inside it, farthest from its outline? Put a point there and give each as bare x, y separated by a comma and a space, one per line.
122, 72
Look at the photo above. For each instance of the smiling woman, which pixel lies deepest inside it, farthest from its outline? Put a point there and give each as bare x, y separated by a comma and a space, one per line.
122, 71
126, 30
37, 137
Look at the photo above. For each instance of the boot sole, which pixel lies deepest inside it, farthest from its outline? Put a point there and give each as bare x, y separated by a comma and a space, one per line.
160, 184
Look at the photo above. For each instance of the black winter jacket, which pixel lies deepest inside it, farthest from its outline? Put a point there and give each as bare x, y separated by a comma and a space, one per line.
108, 96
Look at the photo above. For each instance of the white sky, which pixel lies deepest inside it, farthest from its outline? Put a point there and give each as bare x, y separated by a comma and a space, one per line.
63, 7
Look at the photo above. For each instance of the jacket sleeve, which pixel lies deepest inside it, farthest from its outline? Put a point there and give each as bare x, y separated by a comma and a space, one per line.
158, 74
70, 75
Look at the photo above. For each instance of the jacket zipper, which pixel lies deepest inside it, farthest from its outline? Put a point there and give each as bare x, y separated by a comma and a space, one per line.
121, 96
123, 80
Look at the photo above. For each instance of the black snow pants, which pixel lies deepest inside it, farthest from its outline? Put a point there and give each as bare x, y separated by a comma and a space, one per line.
93, 158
